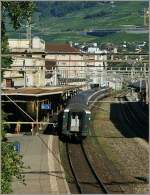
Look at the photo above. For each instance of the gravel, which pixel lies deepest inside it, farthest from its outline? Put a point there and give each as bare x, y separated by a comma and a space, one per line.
129, 154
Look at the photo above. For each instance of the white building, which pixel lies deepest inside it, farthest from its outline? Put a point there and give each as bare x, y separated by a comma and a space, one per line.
96, 65
115, 83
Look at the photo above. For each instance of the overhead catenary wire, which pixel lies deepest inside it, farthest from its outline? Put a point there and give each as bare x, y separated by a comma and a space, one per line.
25, 123
22, 101
16, 53
109, 101
77, 66
19, 108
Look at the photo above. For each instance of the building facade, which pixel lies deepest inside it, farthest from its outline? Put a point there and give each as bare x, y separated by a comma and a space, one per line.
28, 67
75, 67
36, 64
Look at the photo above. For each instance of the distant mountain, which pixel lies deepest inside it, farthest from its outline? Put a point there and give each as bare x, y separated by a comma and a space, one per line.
57, 21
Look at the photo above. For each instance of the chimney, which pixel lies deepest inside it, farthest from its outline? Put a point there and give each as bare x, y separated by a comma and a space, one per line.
70, 43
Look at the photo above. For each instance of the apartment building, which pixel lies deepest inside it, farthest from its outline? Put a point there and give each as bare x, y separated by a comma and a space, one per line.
67, 62
28, 67
40, 64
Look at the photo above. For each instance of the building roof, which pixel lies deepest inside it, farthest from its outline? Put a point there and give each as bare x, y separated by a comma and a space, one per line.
60, 47
37, 92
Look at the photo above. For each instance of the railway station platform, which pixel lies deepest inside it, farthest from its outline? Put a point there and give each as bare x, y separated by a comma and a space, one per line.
35, 105
46, 174
38, 92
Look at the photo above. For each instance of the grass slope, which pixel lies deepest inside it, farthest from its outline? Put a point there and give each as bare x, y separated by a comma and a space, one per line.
68, 27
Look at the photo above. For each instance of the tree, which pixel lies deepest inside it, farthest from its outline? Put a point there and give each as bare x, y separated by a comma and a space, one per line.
11, 166
18, 12
11, 162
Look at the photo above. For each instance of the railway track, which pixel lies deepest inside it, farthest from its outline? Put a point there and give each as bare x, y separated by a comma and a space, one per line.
141, 115
112, 171
84, 174
132, 122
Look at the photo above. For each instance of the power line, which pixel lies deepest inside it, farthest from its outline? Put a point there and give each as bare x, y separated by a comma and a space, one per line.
17, 53
21, 122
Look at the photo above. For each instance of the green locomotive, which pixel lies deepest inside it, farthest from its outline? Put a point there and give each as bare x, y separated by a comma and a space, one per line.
75, 120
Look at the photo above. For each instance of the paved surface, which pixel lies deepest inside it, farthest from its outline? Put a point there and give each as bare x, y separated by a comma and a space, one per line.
45, 174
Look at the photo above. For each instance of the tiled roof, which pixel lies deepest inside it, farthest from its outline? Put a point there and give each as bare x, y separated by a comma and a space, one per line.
63, 47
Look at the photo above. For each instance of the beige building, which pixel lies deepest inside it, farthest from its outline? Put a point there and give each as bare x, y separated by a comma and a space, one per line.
22, 45
69, 64
27, 69
38, 64
96, 64
74, 67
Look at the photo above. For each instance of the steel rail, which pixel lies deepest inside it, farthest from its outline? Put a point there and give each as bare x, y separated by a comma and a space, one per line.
136, 110
101, 184
125, 112
72, 170
121, 190
129, 110
130, 115
125, 117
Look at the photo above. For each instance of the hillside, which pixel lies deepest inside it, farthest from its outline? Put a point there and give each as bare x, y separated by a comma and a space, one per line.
67, 21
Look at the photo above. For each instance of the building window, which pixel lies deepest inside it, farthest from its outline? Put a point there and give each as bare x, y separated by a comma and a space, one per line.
29, 55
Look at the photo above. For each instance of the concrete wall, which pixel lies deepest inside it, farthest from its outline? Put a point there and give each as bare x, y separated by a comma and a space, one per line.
36, 44
18, 43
